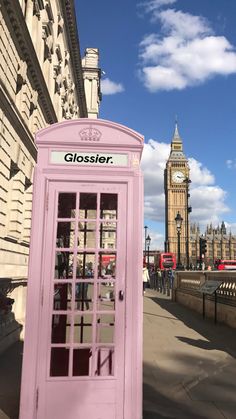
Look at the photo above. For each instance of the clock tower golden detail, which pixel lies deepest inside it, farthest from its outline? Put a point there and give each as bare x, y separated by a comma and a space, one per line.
176, 182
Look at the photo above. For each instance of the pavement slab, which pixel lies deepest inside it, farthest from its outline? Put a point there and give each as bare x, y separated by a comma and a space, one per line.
189, 363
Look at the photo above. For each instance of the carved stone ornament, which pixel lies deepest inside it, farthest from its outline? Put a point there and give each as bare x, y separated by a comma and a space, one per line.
90, 134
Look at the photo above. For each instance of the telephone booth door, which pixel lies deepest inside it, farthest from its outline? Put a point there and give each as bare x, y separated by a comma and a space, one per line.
83, 337
82, 332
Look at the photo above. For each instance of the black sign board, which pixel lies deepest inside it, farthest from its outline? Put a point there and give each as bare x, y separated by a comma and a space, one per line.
209, 287
168, 264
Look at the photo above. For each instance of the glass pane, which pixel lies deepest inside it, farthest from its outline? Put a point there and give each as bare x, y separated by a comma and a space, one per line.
64, 265
59, 362
87, 235
108, 235
88, 205
104, 361
84, 296
106, 297
105, 328
108, 206
83, 328
81, 361
85, 263
107, 265
62, 297
65, 234
60, 328
66, 205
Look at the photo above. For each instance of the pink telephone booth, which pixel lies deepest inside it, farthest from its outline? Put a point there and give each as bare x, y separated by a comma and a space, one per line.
83, 340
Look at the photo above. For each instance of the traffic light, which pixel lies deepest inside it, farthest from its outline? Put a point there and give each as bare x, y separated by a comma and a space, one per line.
203, 246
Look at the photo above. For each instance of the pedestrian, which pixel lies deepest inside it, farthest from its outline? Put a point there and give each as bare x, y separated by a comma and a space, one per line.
171, 278
158, 279
146, 278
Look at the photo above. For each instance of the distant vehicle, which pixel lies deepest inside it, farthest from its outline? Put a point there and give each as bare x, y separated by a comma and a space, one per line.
223, 264
166, 260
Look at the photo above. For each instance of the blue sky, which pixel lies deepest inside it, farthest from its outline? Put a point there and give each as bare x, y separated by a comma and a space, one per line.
164, 58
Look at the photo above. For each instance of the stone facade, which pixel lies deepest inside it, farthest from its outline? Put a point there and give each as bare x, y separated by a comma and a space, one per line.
176, 196
42, 82
220, 244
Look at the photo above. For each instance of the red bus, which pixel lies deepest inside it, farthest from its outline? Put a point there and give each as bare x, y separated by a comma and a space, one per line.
223, 264
166, 260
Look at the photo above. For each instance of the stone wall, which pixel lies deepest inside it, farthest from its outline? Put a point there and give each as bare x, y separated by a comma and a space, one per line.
186, 292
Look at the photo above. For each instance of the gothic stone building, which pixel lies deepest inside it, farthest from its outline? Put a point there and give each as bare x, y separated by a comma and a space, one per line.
176, 184
220, 244
42, 81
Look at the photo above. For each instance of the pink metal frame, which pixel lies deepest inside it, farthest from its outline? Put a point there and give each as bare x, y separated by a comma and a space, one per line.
113, 397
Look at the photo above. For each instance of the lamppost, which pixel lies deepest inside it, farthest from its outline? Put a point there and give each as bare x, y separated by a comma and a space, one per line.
148, 241
145, 243
188, 210
178, 221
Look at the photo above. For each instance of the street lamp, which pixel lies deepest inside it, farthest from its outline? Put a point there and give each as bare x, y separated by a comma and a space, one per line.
188, 210
145, 243
148, 241
178, 221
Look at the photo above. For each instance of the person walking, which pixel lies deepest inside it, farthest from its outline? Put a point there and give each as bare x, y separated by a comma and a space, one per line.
146, 278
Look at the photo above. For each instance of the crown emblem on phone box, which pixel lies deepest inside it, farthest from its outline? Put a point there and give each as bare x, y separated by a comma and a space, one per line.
90, 134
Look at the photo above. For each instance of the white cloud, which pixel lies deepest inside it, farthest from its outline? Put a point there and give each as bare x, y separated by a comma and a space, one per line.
206, 198
186, 54
157, 239
200, 175
183, 25
109, 87
153, 5
231, 164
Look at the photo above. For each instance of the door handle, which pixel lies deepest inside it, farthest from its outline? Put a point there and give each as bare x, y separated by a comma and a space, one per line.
121, 295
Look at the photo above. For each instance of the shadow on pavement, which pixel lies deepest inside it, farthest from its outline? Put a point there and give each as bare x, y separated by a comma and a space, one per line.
10, 377
156, 404
219, 336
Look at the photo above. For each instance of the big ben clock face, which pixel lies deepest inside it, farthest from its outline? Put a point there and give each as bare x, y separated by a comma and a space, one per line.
178, 177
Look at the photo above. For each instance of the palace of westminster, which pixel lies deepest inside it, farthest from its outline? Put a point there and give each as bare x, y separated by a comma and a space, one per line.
220, 244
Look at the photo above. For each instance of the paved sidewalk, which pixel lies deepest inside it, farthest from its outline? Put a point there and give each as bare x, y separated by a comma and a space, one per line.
189, 366
189, 363
10, 375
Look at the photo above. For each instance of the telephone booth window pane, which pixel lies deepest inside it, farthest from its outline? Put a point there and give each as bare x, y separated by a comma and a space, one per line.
88, 205
87, 235
107, 265
105, 328
104, 361
108, 235
85, 263
81, 361
83, 328
64, 265
84, 296
60, 328
62, 296
108, 206
105, 296
59, 362
65, 234
66, 205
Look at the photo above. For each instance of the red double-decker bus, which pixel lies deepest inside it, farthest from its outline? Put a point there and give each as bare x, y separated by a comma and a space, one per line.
223, 264
166, 260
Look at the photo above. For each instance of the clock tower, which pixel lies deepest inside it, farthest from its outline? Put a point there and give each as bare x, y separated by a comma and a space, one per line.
176, 184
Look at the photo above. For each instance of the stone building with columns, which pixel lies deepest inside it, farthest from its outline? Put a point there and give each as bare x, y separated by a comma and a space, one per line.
43, 80
220, 243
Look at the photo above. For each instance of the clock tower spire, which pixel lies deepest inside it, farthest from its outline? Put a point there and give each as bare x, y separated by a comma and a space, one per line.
176, 182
